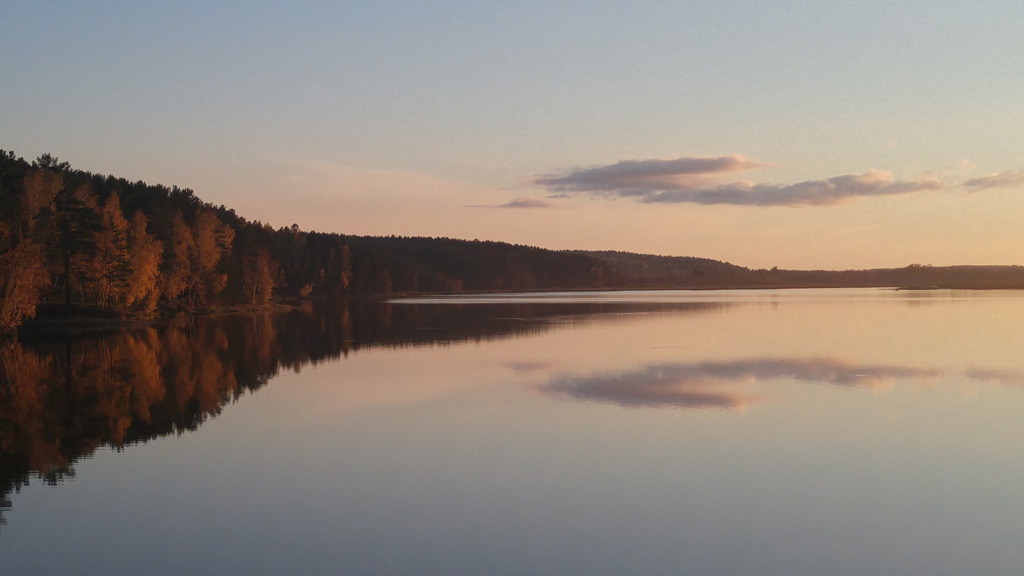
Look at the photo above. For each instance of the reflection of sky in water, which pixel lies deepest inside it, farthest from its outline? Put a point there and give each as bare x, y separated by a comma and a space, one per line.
424, 459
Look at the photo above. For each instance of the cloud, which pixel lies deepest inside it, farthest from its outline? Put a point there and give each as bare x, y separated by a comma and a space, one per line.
1007, 179
520, 202
692, 180
810, 193
645, 175
711, 384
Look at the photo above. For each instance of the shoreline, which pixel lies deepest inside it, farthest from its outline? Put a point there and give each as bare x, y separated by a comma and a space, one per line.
58, 321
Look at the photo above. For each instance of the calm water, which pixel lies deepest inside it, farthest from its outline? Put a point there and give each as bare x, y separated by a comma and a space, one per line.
741, 432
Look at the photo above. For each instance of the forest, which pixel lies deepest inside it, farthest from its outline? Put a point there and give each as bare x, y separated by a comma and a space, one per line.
74, 242
80, 241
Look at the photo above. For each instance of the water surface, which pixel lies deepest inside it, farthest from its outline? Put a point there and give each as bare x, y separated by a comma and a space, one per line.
736, 432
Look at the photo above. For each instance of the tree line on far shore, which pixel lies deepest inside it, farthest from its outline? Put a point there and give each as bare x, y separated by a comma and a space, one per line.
135, 250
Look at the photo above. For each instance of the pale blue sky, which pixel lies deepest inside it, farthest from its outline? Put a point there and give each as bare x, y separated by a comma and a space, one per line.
420, 118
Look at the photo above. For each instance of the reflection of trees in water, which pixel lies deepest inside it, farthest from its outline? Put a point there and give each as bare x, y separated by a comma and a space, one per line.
60, 401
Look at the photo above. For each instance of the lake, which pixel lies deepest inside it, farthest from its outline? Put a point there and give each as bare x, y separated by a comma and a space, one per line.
776, 432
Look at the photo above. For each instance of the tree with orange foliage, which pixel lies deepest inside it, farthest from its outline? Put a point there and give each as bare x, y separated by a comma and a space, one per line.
177, 259
145, 254
22, 241
111, 270
258, 278
212, 242
190, 272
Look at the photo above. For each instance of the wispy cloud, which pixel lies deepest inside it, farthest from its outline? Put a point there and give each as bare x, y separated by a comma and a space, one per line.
828, 192
520, 202
1007, 179
636, 177
693, 180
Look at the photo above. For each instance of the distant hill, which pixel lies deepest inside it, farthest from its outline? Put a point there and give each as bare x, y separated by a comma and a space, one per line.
651, 271
648, 270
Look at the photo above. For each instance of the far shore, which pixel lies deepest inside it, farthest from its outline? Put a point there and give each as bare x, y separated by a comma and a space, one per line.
62, 321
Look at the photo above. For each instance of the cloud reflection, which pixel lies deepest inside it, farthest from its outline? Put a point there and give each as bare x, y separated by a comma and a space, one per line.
1004, 377
712, 384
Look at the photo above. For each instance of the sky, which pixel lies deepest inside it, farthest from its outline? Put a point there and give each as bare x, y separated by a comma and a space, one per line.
798, 134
